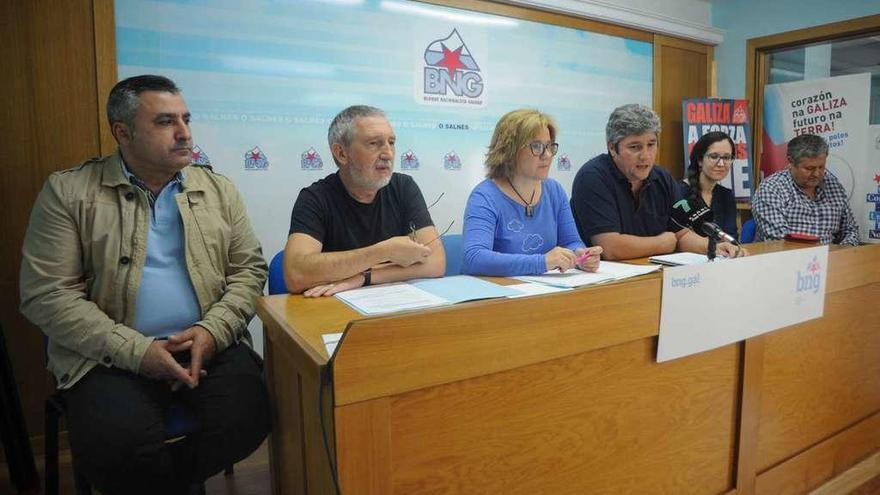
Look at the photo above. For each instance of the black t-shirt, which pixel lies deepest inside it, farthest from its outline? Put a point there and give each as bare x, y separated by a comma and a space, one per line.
326, 212
602, 201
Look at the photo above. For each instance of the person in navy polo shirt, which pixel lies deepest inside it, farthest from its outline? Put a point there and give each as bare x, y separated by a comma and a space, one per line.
622, 202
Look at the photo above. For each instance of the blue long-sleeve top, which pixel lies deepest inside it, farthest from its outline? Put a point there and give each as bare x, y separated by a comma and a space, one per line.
500, 240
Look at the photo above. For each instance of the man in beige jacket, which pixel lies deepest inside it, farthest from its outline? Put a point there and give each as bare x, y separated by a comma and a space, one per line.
142, 269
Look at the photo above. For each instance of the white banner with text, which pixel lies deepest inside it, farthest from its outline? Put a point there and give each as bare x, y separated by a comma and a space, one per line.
711, 305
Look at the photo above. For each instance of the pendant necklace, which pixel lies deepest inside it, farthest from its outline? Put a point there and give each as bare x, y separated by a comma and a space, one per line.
529, 208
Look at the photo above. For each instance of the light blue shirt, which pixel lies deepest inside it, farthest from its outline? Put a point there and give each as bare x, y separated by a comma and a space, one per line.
166, 299
500, 240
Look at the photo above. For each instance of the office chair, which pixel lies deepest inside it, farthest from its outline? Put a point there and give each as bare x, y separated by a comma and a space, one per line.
454, 254
179, 421
748, 231
276, 275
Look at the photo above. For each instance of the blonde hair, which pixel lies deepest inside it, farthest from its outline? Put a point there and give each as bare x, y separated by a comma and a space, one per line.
512, 132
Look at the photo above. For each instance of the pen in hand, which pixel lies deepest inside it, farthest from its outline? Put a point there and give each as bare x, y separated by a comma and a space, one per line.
584, 257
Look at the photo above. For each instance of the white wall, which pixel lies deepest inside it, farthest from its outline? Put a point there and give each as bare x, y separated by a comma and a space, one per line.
745, 19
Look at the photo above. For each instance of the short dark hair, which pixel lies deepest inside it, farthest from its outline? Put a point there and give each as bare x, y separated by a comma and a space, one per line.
123, 102
806, 146
699, 151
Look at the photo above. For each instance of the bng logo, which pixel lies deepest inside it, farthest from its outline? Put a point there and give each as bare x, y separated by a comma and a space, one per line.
451, 75
810, 280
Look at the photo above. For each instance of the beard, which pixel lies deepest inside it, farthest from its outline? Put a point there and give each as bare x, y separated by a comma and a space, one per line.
363, 181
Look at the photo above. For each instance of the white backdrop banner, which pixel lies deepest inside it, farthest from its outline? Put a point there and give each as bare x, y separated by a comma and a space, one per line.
263, 79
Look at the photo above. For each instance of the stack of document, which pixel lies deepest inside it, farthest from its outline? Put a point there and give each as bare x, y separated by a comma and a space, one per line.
608, 271
421, 293
677, 259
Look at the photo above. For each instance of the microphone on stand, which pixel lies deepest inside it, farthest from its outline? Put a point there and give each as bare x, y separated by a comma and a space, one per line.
686, 215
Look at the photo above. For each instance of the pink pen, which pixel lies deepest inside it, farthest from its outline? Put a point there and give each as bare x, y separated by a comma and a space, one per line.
584, 257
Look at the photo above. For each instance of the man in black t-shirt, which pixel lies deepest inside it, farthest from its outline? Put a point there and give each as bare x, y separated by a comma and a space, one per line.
364, 224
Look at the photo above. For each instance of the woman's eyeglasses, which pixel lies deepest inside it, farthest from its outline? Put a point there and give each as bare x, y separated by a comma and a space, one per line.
538, 148
716, 157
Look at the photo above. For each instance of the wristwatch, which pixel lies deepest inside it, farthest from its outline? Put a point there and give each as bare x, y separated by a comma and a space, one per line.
368, 276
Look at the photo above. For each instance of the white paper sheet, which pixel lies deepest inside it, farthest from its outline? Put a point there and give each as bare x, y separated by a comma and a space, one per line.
533, 289
388, 298
608, 271
677, 259
331, 340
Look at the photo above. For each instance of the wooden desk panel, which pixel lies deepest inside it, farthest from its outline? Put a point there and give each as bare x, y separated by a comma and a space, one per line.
394, 354
821, 376
605, 421
468, 400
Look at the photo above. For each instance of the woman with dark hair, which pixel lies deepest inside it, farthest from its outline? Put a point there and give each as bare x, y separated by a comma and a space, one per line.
710, 162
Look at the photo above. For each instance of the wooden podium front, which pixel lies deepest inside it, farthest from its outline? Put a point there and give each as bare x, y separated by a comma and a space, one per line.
561, 394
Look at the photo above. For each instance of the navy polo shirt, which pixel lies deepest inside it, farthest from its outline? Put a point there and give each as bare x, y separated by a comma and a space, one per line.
602, 201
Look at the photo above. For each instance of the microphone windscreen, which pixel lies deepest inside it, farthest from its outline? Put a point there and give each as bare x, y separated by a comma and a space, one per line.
680, 211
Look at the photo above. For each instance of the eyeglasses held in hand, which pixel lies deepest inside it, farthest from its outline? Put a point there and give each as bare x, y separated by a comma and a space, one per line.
441, 234
538, 148
436, 200
716, 157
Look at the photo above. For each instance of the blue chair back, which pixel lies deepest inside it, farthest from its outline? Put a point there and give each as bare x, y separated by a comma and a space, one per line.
452, 246
276, 275
748, 231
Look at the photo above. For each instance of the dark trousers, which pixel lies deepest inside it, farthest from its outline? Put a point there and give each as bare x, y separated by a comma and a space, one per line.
116, 423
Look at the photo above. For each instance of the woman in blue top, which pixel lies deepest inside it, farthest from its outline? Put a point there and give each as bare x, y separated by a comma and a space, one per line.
710, 162
518, 221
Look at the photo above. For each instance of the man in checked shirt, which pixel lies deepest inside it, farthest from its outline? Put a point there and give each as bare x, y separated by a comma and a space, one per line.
803, 199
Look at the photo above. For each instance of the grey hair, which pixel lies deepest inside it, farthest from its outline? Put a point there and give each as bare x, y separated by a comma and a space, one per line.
124, 99
341, 131
630, 120
806, 146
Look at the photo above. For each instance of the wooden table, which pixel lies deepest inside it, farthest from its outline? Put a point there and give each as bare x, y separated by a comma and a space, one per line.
561, 394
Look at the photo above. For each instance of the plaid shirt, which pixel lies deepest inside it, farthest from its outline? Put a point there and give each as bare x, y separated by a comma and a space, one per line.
781, 207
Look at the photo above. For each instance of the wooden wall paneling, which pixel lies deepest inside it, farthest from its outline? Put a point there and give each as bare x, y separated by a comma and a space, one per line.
105, 67
19, 183
682, 69
50, 110
605, 421
17, 148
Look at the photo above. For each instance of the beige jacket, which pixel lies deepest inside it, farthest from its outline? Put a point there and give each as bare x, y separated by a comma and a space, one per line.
84, 253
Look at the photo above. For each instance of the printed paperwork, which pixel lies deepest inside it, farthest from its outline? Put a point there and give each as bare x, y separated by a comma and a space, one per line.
678, 259
533, 289
608, 271
421, 293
